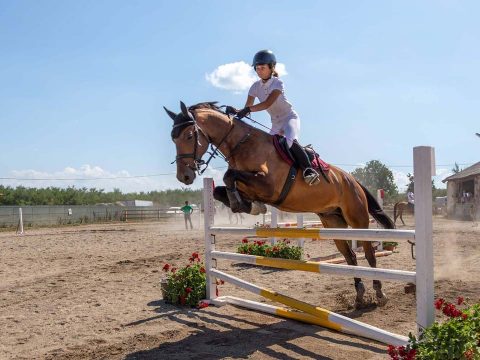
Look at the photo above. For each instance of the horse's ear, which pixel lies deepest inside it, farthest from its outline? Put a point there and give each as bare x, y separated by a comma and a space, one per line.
170, 113
184, 109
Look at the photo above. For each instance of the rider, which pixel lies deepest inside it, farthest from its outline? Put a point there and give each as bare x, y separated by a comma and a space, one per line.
410, 198
270, 91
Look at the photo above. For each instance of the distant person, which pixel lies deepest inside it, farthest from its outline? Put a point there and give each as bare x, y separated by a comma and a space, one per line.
411, 199
187, 212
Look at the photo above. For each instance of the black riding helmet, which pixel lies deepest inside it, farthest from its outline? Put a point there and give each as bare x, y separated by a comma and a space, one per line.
264, 57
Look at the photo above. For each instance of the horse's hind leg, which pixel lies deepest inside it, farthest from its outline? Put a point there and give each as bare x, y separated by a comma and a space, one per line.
360, 220
336, 220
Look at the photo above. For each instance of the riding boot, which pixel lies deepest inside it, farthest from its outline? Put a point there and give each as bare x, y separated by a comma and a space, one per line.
310, 175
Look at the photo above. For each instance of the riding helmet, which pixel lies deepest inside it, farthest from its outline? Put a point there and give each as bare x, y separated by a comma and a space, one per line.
264, 57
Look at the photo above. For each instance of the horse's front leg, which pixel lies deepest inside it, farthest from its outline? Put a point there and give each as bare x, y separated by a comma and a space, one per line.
239, 202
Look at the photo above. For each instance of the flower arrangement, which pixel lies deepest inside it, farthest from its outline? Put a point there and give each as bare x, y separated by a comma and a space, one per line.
187, 285
282, 249
456, 338
389, 244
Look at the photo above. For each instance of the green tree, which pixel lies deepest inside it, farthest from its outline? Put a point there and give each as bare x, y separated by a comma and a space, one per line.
376, 175
456, 169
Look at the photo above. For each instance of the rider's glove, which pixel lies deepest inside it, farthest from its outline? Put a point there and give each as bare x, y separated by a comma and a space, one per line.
242, 113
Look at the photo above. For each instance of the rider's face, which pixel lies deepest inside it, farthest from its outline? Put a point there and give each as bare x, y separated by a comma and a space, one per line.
263, 71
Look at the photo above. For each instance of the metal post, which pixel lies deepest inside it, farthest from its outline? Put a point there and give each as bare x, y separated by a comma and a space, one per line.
423, 169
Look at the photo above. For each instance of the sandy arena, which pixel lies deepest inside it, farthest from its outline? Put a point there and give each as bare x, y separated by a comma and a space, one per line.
92, 292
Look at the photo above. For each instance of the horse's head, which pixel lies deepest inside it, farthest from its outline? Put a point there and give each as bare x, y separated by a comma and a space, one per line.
191, 143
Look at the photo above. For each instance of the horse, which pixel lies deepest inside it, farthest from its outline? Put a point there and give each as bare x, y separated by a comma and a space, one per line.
402, 207
256, 175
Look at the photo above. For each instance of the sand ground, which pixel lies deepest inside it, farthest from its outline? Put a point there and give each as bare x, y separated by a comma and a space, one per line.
92, 292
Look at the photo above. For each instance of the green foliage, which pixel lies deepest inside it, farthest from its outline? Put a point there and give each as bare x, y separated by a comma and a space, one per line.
281, 249
456, 169
22, 196
186, 286
376, 175
456, 338
390, 243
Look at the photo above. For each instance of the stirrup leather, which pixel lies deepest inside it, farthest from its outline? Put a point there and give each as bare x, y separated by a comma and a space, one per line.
313, 178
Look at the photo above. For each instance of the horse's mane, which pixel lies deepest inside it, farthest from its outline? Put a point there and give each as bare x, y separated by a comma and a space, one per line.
181, 120
205, 105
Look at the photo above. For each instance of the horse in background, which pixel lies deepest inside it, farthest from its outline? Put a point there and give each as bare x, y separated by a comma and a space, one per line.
400, 208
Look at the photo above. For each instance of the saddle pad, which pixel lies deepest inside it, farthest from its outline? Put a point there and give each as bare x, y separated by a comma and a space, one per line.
281, 146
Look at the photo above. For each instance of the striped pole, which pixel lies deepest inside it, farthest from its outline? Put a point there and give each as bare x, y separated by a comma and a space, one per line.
322, 234
325, 318
319, 267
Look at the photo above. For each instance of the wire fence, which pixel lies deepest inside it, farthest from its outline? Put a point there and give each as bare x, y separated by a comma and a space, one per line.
80, 214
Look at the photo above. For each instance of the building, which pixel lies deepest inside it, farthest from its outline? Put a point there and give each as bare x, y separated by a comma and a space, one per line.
137, 203
463, 193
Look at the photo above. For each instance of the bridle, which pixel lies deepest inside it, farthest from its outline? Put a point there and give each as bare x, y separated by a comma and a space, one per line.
200, 165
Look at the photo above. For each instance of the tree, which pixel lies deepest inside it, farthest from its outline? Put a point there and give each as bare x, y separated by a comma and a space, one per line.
376, 175
456, 169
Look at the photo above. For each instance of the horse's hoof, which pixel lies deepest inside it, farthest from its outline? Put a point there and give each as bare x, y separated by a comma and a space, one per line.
360, 288
258, 208
381, 299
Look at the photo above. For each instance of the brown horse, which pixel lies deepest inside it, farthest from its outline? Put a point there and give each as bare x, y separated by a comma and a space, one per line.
399, 208
256, 173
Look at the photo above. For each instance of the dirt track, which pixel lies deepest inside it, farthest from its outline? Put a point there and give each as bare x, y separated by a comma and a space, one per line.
92, 292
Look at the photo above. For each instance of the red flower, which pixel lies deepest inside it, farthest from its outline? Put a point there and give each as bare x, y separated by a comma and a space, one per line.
222, 282
202, 304
195, 255
173, 270
439, 303
468, 354
245, 240
202, 270
166, 267
460, 300
188, 290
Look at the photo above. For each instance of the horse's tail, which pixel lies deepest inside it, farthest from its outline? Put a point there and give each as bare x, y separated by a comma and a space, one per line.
395, 209
376, 211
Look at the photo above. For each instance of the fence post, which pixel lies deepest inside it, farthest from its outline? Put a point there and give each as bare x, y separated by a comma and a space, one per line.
423, 169
301, 242
273, 222
20, 222
208, 215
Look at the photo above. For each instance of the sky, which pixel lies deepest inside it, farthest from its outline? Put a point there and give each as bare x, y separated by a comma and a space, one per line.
83, 83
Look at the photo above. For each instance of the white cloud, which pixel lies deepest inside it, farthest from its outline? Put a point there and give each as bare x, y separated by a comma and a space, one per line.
237, 76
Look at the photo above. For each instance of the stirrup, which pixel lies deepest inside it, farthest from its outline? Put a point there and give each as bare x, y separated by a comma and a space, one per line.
313, 178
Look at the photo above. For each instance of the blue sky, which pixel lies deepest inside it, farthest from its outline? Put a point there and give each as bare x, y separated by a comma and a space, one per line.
83, 82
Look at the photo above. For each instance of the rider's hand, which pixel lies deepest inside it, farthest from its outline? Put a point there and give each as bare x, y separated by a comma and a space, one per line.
230, 110
242, 113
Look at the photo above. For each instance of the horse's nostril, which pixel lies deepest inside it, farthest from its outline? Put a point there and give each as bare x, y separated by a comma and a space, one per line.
187, 177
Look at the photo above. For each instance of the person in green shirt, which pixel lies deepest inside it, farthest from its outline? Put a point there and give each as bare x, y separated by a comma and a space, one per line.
187, 211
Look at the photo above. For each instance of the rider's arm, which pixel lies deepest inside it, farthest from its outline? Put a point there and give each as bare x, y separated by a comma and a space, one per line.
264, 104
250, 101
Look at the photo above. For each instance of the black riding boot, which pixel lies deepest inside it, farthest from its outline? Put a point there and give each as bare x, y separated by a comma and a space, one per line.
310, 176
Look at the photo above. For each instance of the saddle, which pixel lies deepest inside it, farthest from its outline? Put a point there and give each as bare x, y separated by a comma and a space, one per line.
281, 145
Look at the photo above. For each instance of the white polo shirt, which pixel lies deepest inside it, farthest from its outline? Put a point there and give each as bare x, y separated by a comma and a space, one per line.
281, 109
